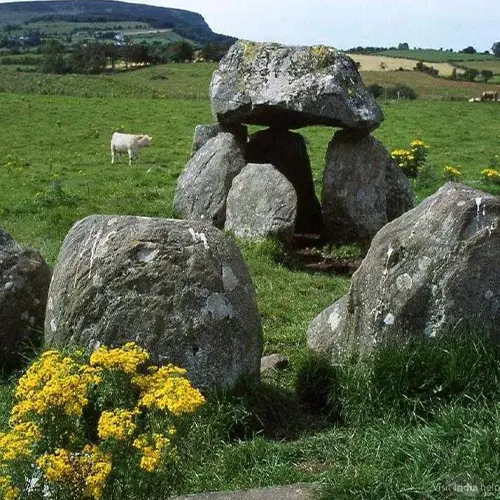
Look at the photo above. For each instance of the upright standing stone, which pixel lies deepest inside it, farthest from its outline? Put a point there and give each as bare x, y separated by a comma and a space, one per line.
202, 188
363, 188
287, 152
24, 285
261, 203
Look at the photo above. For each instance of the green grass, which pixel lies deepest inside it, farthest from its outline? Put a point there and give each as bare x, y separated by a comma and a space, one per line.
391, 441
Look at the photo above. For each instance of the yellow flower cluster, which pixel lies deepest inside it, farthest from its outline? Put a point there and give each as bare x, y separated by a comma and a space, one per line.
168, 389
491, 175
69, 385
51, 382
19, 441
7, 490
402, 155
451, 173
417, 143
411, 160
57, 466
117, 424
127, 358
152, 449
86, 471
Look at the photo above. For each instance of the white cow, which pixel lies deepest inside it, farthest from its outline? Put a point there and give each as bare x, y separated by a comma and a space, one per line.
128, 143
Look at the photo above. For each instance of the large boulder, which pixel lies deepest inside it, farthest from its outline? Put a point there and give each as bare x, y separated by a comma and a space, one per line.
180, 289
425, 272
291, 87
24, 285
363, 188
202, 188
261, 203
287, 152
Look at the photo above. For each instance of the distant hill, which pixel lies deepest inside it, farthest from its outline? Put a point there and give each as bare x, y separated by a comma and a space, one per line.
17, 16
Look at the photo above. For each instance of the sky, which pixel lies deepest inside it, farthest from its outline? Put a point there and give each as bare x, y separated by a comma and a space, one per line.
447, 24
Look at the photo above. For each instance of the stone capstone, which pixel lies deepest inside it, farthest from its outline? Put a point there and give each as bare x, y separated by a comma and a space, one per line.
24, 285
363, 188
261, 203
291, 87
427, 271
180, 289
203, 186
287, 152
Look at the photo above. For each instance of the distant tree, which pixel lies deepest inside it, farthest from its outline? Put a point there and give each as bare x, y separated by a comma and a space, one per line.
469, 74
486, 74
89, 58
403, 46
180, 52
468, 50
375, 89
383, 66
496, 49
53, 58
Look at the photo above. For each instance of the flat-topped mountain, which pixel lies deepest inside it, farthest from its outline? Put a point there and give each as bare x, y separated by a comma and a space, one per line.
189, 25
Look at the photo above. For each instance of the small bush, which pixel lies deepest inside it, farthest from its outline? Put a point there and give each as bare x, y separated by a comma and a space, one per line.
99, 428
401, 91
375, 90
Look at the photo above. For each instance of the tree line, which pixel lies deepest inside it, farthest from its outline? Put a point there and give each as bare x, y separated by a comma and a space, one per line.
97, 57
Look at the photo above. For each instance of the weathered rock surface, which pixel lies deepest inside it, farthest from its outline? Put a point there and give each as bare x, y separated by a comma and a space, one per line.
363, 188
180, 289
261, 203
24, 285
202, 188
287, 152
424, 273
291, 87
202, 133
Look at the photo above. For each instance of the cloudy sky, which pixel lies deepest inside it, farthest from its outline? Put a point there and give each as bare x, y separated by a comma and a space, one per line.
452, 24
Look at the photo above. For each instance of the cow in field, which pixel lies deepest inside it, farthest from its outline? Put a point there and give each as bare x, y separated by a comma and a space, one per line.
489, 95
128, 143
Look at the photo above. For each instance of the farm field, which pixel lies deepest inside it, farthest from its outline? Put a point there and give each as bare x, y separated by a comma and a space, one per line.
55, 169
375, 63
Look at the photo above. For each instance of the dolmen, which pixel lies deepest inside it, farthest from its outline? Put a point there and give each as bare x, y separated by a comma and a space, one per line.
284, 88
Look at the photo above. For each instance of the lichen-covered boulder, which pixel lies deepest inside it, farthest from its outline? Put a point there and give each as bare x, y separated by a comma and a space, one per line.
363, 188
202, 133
24, 285
180, 289
287, 152
261, 203
203, 186
291, 87
427, 271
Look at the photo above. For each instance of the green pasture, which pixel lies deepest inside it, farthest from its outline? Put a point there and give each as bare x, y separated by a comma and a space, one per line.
389, 441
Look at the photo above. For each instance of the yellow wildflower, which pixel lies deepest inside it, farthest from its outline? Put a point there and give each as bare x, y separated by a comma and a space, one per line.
117, 424
51, 382
7, 490
58, 466
95, 467
152, 450
126, 358
18, 442
168, 389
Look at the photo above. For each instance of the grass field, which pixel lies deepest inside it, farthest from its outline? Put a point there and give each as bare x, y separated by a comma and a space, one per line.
388, 442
